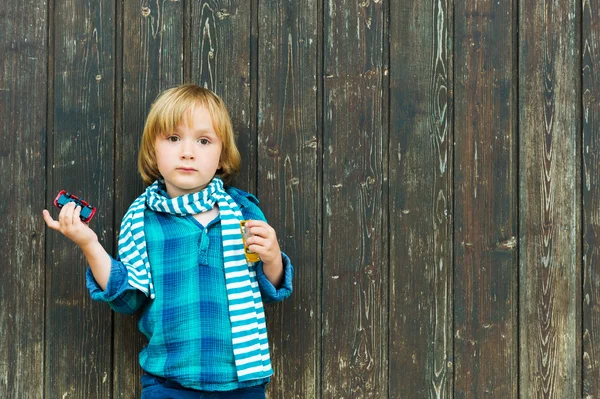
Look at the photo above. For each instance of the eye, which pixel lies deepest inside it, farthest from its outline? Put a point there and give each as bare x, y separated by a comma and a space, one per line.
203, 141
173, 139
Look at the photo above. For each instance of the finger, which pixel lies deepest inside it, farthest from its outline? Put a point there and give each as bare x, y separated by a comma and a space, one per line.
260, 231
256, 223
66, 214
257, 249
76, 214
50, 222
256, 242
69, 213
61, 215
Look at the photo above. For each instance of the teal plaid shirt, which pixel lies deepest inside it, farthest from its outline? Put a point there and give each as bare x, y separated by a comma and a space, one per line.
187, 324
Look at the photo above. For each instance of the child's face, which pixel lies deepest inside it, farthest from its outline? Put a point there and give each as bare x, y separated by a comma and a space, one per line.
189, 157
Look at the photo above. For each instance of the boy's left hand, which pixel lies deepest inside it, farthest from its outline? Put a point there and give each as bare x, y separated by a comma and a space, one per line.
264, 241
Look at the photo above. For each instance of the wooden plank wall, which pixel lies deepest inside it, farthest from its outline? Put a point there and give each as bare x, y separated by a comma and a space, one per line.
485, 200
23, 133
550, 102
432, 169
420, 156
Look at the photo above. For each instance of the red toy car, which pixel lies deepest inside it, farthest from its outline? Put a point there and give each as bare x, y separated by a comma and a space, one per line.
87, 211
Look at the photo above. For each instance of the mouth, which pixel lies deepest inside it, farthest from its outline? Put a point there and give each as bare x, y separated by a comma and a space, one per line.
183, 169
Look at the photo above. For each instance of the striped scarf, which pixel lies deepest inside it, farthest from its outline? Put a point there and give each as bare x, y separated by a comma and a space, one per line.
248, 329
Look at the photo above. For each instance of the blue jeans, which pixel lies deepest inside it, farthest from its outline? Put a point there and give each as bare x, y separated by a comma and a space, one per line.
154, 387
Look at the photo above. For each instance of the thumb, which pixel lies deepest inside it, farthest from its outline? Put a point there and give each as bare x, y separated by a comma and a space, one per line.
53, 224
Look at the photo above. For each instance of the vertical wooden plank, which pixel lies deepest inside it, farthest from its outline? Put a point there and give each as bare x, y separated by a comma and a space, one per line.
485, 230
153, 48
78, 332
550, 219
591, 199
355, 271
23, 100
220, 59
287, 184
420, 201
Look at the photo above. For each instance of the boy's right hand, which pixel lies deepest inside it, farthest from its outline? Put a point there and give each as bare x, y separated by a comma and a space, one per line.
71, 226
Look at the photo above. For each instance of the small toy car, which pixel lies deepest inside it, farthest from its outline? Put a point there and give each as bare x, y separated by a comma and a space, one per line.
87, 211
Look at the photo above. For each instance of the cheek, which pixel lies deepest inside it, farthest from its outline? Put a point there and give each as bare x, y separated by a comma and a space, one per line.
160, 159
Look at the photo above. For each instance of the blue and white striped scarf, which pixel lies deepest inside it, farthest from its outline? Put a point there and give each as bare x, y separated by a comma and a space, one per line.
250, 345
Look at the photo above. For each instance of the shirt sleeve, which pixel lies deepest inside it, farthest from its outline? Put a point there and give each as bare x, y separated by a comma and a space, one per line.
120, 296
268, 291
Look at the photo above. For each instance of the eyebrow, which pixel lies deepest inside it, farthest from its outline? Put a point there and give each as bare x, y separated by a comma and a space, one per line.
199, 131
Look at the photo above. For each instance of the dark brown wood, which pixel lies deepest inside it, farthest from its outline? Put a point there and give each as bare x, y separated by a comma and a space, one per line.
220, 60
420, 209
485, 201
23, 100
549, 206
78, 332
287, 184
431, 168
591, 200
355, 271
153, 45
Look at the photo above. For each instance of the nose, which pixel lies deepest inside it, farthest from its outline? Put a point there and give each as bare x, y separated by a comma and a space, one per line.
187, 150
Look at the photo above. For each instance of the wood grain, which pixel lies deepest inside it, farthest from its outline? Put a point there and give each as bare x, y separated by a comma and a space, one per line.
549, 210
355, 271
220, 60
420, 207
23, 102
287, 184
78, 332
485, 228
431, 168
591, 199
152, 47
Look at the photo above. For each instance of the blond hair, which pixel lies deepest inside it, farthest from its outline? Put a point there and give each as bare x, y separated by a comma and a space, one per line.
168, 111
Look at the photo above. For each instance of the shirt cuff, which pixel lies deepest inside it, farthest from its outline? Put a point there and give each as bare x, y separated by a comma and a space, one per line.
268, 290
117, 283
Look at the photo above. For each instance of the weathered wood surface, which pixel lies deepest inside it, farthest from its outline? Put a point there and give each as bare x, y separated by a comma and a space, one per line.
549, 204
23, 103
287, 143
355, 267
420, 203
590, 184
485, 201
430, 167
152, 49
78, 360
219, 52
